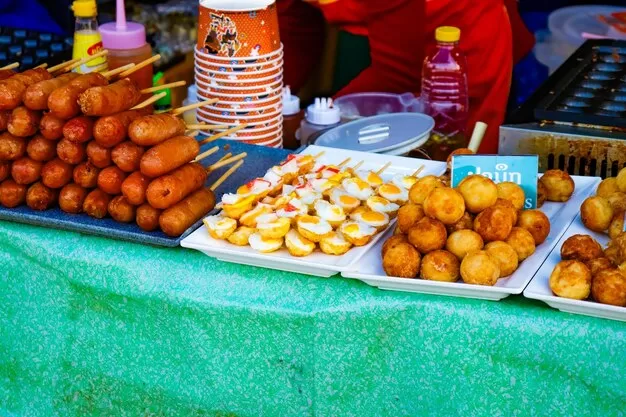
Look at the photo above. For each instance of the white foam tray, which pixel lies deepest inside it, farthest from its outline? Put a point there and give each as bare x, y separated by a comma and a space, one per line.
370, 269
539, 288
317, 263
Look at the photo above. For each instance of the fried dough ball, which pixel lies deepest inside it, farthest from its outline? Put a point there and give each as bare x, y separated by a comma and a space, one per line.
504, 255
609, 287
479, 193
599, 264
479, 268
617, 201
617, 224
506, 204
607, 187
559, 185
420, 190
459, 151
466, 222
542, 194
402, 261
428, 235
571, 279
408, 216
522, 241
445, 204
462, 242
440, 265
613, 253
581, 248
512, 192
495, 223
536, 222
596, 213
621, 180
391, 242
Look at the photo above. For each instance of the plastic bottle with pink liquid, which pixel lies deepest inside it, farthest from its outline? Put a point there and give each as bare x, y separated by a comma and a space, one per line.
444, 93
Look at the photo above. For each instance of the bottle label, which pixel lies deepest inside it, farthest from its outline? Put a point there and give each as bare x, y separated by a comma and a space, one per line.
87, 44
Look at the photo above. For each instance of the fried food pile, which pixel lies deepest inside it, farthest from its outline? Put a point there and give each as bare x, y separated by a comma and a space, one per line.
604, 212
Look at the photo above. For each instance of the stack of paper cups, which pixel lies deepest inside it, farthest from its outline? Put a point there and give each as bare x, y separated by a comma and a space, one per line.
239, 61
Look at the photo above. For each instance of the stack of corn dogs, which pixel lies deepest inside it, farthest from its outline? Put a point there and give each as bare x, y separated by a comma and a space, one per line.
89, 144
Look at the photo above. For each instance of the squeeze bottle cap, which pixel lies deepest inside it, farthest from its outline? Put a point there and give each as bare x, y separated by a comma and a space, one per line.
322, 112
84, 8
291, 103
122, 34
447, 34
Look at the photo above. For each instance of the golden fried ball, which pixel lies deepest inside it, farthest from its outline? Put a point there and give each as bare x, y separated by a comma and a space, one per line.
506, 204
428, 235
571, 279
504, 255
462, 242
420, 190
536, 222
581, 248
522, 241
479, 268
542, 194
596, 213
440, 265
607, 187
512, 192
559, 185
393, 241
617, 201
479, 193
402, 261
445, 204
609, 287
408, 216
621, 180
459, 151
495, 223
466, 222
616, 227
599, 264
613, 253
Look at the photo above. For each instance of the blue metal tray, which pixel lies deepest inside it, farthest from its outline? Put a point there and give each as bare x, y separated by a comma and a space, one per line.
257, 162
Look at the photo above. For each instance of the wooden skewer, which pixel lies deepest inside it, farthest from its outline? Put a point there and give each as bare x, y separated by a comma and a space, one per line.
206, 153
116, 71
226, 156
10, 66
477, 136
319, 155
357, 166
345, 161
226, 161
201, 126
222, 134
183, 109
193, 133
380, 171
63, 64
44, 65
71, 65
162, 87
225, 176
149, 101
418, 170
140, 65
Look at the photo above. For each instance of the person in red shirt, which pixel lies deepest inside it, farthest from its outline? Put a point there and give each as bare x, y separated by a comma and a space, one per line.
399, 32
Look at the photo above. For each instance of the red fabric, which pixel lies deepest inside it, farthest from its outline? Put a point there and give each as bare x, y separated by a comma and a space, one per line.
400, 32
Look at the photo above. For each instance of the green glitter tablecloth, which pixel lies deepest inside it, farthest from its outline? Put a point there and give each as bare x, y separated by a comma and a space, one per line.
96, 327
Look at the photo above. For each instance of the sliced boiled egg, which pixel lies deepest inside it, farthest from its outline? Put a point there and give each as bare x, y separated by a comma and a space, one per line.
393, 193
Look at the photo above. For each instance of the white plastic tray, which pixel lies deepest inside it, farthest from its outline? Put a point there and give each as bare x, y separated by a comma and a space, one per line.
317, 263
370, 269
539, 288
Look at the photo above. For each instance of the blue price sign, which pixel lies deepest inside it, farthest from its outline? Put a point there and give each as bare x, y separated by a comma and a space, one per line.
521, 170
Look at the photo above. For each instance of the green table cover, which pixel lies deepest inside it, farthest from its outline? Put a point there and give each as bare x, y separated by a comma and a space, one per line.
96, 327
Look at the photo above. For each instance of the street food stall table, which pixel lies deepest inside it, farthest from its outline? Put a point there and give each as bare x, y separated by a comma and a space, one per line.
92, 326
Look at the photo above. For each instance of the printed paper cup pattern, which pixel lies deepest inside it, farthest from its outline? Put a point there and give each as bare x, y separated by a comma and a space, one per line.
246, 28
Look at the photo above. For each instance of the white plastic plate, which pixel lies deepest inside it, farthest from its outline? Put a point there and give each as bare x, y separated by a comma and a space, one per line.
317, 263
539, 288
370, 269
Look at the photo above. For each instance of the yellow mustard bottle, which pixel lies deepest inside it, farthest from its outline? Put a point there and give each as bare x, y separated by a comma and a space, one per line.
87, 40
